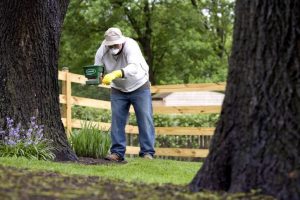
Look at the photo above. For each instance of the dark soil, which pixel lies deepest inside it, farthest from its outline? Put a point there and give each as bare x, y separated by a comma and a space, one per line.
25, 184
94, 161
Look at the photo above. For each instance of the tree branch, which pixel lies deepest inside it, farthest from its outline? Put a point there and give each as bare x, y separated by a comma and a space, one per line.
194, 3
133, 22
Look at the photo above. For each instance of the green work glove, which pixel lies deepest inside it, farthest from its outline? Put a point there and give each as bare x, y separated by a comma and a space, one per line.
107, 79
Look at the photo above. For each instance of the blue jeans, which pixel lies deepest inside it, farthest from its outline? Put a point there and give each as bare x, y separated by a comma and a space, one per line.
142, 103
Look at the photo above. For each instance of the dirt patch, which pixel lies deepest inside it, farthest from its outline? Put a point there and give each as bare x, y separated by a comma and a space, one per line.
93, 161
26, 184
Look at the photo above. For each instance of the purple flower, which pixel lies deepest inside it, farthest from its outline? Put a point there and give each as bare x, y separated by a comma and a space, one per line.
28, 142
32, 121
11, 143
28, 133
32, 118
9, 122
39, 131
14, 135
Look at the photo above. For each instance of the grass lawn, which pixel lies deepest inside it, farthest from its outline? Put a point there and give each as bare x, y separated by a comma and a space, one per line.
136, 170
138, 179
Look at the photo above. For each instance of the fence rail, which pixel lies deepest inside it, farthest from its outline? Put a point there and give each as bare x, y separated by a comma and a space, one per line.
68, 101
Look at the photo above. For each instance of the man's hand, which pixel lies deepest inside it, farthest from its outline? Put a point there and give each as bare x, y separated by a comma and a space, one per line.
107, 79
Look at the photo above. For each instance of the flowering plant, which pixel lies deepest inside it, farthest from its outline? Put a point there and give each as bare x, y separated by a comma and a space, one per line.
16, 141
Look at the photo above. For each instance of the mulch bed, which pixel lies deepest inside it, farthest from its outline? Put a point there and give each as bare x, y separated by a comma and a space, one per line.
94, 161
26, 184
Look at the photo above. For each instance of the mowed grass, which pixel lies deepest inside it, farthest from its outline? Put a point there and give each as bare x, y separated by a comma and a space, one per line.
136, 170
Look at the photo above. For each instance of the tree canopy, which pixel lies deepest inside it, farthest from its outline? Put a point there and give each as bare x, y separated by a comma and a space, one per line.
182, 41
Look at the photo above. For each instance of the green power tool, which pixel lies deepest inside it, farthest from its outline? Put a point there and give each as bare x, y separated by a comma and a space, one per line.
93, 74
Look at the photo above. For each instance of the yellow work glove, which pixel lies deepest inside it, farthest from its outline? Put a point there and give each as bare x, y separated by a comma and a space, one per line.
107, 79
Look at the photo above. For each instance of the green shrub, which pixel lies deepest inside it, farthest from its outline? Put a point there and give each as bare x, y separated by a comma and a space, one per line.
40, 151
30, 143
90, 141
188, 120
91, 114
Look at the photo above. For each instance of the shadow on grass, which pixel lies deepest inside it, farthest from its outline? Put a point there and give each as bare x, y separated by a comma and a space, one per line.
26, 184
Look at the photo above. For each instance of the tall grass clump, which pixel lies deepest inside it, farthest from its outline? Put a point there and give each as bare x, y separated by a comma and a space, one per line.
90, 141
16, 141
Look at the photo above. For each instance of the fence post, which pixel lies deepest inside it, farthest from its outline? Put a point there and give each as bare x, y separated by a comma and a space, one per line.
67, 109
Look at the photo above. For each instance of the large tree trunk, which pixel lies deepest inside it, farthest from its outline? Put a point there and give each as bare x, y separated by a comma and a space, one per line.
257, 140
29, 40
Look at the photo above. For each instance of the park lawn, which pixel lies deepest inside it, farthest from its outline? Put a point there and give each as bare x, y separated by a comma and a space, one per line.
138, 179
136, 170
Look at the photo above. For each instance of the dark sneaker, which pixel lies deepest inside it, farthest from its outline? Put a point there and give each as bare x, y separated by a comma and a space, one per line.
114, 157
148, 156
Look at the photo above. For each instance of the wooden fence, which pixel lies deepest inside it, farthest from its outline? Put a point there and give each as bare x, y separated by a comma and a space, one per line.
68, 101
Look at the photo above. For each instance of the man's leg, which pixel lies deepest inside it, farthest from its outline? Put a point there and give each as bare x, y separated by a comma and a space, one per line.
120, 109
142, 104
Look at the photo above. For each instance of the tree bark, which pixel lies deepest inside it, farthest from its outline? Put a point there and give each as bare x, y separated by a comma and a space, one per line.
257, 139
29, 43
146, 40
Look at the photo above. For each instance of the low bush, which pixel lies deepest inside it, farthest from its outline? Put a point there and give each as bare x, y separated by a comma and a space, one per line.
18, 142
189, 120
90, 141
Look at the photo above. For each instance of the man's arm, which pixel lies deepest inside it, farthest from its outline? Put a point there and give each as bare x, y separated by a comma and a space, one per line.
99, 55
134, 58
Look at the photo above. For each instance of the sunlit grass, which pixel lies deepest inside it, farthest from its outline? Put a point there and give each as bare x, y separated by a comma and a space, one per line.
116, 180
136, 170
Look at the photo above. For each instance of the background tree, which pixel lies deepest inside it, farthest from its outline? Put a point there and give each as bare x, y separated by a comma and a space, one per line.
29, 43
256, 142
181, 42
